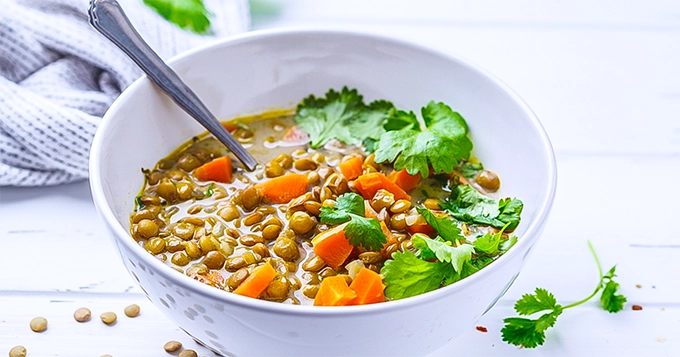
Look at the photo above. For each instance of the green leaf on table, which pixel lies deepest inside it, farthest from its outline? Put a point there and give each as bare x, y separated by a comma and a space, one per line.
528, 333
610, 299
188, 14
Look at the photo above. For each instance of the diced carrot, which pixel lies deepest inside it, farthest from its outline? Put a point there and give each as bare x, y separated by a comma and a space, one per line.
368, 286
257, 281
217, 170
284, 188
334, 292
404, 180
332, 246
231, 126
391, 238
369, 184
420, 227
352, 168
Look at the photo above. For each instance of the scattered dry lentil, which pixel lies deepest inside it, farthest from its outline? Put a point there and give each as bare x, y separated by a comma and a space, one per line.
82, 315
17, 351
108, 318
188, 353
132, 310
38, 324
172, 346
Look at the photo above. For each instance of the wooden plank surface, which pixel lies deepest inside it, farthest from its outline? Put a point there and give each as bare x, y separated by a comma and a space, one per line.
601, 76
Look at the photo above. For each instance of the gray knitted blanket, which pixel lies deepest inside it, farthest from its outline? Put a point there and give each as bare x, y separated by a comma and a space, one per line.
58, 76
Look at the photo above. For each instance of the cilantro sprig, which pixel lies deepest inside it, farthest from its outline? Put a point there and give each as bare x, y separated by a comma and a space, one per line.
360, 231
187, 14
396, 136
440, 261
343, 116
468, 205
530, 333
440, 145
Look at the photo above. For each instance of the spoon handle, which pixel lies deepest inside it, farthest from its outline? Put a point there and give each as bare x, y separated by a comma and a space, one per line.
107, 17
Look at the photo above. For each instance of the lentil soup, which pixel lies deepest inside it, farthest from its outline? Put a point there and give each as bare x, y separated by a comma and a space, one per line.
325, 220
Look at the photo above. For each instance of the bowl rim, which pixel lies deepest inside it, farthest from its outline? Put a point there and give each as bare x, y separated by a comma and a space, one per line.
106, 213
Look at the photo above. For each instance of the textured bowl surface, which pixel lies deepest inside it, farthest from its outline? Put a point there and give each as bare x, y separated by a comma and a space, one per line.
275, 69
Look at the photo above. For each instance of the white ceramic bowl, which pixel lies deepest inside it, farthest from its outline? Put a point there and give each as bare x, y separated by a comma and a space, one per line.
258, 71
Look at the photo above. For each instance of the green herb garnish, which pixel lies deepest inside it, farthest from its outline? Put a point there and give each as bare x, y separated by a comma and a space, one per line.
343, 116
209, 191
360, 231
139, 205
441, 145
472, 207
187, 14
530, 333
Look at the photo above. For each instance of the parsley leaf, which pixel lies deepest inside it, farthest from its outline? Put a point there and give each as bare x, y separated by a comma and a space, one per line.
470, 170
360, 231
530, 333
441, 145
445, 226
471, 206
526, 332
407, 275
444, 251
332, 116
187, 14
611, 301
541, 300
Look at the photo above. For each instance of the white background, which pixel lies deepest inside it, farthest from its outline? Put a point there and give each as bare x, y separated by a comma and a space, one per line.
603, 78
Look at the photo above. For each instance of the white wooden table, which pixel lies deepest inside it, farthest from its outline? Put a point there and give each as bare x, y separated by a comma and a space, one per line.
604, 78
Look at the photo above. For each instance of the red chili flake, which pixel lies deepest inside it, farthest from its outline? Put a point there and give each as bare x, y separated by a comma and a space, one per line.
637, 307
482, 329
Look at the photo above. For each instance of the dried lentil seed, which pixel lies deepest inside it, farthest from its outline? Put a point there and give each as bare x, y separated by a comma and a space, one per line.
82, 315
271, 231
17, 351
188, 353
180, 259
155, 245
194, 209
250, 198
131, 310
108, 318
253, 218
229, 213
147, 228
214, 260
38, 324
172, 346
192, 249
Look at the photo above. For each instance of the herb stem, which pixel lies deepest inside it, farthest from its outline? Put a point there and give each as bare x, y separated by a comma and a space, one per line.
599, 284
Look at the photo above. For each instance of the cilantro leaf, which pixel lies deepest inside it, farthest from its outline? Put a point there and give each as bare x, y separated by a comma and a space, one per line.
488, 243
406, 275
344, 205
526, 332
470, 170
332, 116
471, 206
533, 303
445, 226
360, 231
611, 301
366, 232
441, 145
444, 252
187, 14
401, 120
531, 333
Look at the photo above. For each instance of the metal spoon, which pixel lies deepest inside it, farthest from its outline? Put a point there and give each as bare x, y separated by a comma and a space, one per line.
107, 17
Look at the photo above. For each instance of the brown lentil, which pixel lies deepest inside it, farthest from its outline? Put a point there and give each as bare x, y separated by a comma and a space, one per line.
237, 278
17, 351
172, 346
131, 310
432, 204
214, 260
82, 315
108, 318
286, 248
193, 250
188, 353
271, 231
250, 198
38, 324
